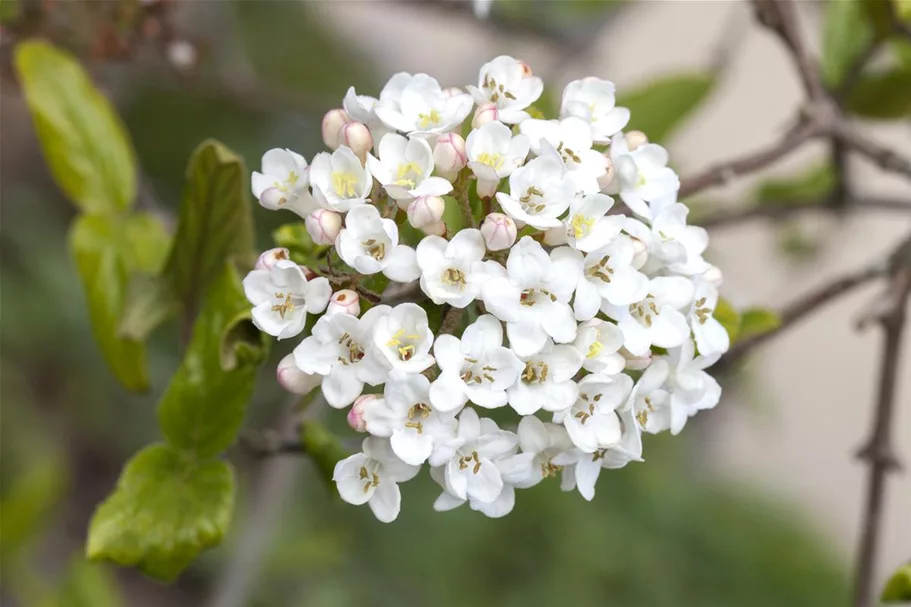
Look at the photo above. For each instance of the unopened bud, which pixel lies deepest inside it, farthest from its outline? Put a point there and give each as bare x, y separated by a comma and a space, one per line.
356, 413
273, 199
356, 136
271, 257
449, 155
345, 301
636, 363
605, 180
295, 381
499, 231
486, 112
332, 122
323, 226
425, 210
635, 139
435, 229
452, 92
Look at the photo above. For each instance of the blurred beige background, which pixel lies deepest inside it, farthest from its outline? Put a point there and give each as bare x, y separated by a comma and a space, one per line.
811, 390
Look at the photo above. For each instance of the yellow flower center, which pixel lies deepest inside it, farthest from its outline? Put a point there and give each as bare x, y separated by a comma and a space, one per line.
344, 184
494, 161
431, 119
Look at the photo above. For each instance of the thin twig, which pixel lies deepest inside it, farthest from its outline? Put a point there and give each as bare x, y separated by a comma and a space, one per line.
782, 210
885, 158
878, 452
726, 172
781, 18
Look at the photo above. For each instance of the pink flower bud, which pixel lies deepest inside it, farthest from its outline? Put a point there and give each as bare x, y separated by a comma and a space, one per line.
270, 257
449, 155
323, 226
293, 379
345, 301
452, 92
486, 112
635, 139
356, 136
425, 210
499, 231
435, 229
605, 180
356, 413
332, 122
273, 199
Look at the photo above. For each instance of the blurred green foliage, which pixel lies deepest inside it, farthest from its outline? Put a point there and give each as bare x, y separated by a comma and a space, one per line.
664, 104
898, 587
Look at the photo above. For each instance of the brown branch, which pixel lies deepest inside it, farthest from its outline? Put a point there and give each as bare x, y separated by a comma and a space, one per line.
880, 155
781, 18
783, 210
724, 173
878, 452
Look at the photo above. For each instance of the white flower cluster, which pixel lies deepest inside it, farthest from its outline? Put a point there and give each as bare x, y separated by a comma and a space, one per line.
607, 318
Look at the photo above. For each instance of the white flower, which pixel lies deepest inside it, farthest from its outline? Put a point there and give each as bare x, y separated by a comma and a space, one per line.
711, 336
504, 82
404, 167
340, 348
539, 193
692, 389
592, 100
339, 181
362, 107
593, 421
476, 367
282, 296
423, 108
500, 507
588, 227
451, 271
570, 140
650, 401
677, 245
599, 341
541, 443
287, 172
656, 320
372, 478
370, 244
469, 471
494, 153
546, 382
403, 338
581, 470
642, 176
532, 295
608, 276
406, 417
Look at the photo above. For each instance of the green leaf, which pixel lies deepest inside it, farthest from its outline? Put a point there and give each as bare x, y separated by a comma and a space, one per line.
84, 142
846, 34
884, 95
879, 15
167, 508
729, 318
756, 321
106, 251
9, 11
813, 184
294, 237
453, 216
324, 449
206, 401
661, 106
88, 584
27, 502
215, 222
149, 302
898, 588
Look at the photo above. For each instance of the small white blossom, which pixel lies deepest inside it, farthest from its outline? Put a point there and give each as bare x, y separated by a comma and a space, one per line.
363, 107
476, 367
403, 339
339, 181
506, 83
608, 276
642, 175
372, 478
593, 100
570, 141
593, 421
650, 401
340, 347
370, 244
546, 382
499, 507
406, 417
600, 341
451, 272
494, 153
656, 320
282, 296
423, 108
711, 337
588, 227
532, 295
540, 443
404, 167
286, 172
539, 193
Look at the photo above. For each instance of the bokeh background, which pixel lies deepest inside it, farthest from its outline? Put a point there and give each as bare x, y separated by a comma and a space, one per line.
756, 503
